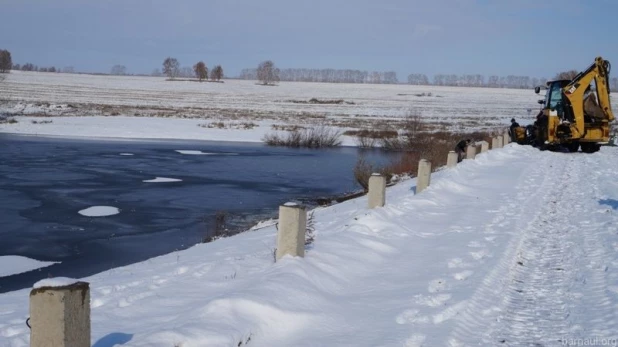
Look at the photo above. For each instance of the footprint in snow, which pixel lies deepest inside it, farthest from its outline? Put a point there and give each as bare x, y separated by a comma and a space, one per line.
449, 313
411, 316
181, 270
98, 302
415, 340
432, 300
475, 244
462, 276
437, 285
480, 254
458, 263
128, 301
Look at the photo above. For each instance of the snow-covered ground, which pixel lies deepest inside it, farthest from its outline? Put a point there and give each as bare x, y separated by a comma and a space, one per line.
122, 106
515, 248
136, 128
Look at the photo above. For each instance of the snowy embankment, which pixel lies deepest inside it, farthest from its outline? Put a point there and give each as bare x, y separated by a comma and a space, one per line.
517, 247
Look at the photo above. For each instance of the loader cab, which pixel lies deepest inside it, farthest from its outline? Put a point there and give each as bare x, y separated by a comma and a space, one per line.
553, 97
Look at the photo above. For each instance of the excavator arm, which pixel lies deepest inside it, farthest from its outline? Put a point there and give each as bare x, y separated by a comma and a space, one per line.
574, 92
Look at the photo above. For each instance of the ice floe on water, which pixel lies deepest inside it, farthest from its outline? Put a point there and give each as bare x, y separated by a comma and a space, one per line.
192, 152
126, 154
162, 180
16, 264
196, 152
99, 211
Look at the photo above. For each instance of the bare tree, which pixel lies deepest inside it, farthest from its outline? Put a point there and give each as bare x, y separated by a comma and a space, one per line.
186, 71
171, 67
566, 75
156, 73
119, 70
201, 71
28, 67
6, 63
418, 79
267, 73
67, 69
216, 73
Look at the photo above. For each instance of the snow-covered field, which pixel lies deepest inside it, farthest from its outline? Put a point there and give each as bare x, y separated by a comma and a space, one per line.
247, 111
515, 248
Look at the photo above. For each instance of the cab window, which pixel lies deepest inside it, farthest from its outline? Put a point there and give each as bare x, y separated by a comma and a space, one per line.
555, 96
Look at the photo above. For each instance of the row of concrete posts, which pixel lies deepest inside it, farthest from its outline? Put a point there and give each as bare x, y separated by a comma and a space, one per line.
293, 217
60, 316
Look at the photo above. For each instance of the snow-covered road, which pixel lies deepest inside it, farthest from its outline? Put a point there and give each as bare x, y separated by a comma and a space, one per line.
515, 248
553, 285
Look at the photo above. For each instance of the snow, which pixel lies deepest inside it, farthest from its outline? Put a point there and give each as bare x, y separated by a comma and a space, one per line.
153, 108
55, 282
99, 211
15, 264
291, 204
162, 180
196, 152
192, 152
517, 247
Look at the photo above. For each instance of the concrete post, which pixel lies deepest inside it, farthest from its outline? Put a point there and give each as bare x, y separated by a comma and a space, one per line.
484, 146
506, 138
424, 175
494, 143
451, 159
291, 234
60, 316
377, 190
471, 152
500, 141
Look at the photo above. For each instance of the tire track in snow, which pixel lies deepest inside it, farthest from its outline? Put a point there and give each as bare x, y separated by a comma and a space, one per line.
535, 310
533, 185
555, 282
596, 314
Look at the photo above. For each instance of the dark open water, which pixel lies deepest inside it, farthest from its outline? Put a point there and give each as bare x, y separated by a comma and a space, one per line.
44, 182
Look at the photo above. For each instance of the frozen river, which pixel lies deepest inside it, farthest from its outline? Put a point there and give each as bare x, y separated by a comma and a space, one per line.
165, 195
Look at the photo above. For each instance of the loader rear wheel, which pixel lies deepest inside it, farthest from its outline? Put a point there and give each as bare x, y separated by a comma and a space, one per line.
573, 147
590, 147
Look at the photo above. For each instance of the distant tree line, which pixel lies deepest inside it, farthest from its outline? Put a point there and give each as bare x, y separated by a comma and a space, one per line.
326, 76
476, 80
119, 70
35, 68
172, 69
510, 81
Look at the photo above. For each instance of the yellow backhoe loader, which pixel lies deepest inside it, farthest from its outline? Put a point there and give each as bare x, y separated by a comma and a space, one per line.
575, 113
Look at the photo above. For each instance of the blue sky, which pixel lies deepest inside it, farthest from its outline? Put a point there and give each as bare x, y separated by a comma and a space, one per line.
522, 37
